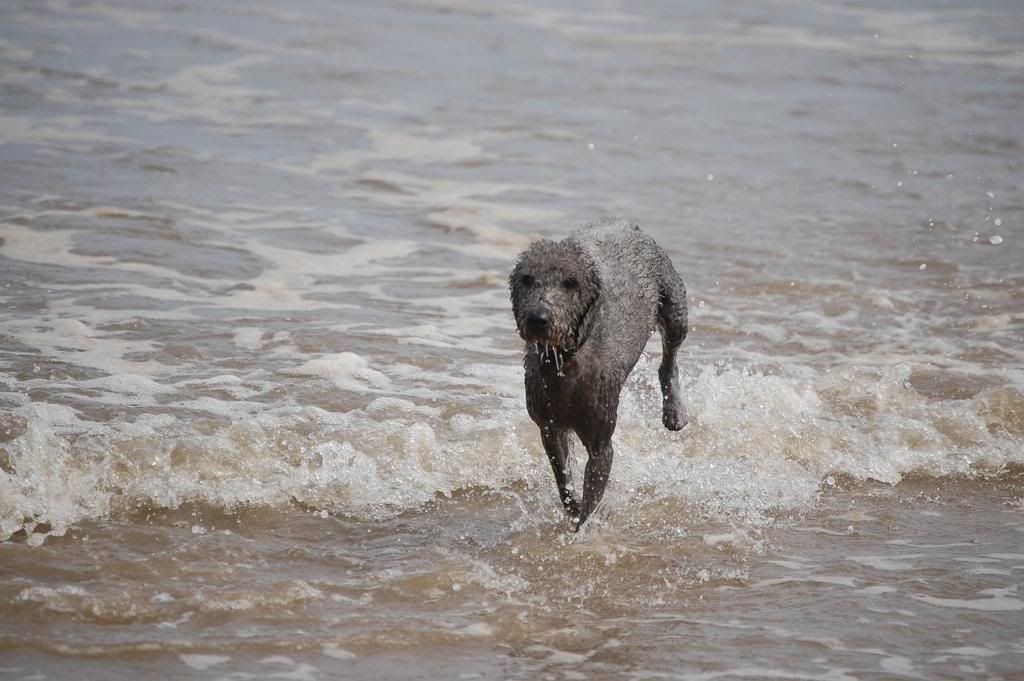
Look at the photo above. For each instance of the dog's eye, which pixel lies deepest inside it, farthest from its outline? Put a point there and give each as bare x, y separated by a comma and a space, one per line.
571, 283
526, 280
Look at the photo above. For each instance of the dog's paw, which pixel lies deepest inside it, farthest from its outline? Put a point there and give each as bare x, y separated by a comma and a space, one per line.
673, 418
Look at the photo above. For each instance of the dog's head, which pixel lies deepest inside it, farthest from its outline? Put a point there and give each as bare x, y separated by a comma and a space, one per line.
553, 286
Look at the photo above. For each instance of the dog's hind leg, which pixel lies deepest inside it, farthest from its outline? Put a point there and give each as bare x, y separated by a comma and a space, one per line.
673, 325
556, 446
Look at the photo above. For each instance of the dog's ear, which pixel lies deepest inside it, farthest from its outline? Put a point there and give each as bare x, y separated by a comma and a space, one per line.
513, 276
586, 323
591, 283
519, 271
591, 278
595, 278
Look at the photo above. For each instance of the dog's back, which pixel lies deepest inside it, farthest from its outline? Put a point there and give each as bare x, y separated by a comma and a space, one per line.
630, 266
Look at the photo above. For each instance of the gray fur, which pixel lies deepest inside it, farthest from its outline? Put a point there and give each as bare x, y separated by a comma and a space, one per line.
586, 307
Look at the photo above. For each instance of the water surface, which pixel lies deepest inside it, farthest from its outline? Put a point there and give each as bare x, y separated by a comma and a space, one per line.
261, 408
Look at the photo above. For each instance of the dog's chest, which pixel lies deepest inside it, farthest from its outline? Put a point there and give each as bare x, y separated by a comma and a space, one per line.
573, 399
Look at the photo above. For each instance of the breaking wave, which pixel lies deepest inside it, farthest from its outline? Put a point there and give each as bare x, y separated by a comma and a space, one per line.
756, 442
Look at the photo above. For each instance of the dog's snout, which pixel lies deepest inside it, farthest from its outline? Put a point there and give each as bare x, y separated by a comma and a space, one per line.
537, 320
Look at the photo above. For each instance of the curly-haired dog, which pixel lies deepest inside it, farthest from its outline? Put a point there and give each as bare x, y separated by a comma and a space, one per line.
586, 307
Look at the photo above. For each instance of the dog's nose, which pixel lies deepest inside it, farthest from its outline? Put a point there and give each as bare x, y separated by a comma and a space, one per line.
537, 320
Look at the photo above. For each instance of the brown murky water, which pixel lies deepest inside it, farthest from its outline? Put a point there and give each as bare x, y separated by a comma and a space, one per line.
261, 413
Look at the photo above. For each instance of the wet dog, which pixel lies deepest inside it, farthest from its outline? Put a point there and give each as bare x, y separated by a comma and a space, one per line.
586, 307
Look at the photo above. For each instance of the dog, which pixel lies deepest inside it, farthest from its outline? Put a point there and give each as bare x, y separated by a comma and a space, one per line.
586, 307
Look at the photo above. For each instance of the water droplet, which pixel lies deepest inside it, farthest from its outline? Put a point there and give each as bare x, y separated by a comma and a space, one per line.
710, 177
923, 266
700, 304
990, 195
995, 239
590, 146
998, 222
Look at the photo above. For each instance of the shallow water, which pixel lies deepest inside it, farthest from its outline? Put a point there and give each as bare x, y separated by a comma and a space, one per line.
261, 413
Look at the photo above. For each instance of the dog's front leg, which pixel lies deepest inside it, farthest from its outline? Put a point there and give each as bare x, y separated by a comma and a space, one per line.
599, 466
673, 411
556, 446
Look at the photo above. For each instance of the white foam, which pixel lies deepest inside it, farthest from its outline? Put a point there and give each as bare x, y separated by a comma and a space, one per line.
755, 443
897, 664
74, 342
346, 370
478, 630
887, 563
203, 662
128, 384
971, 651
394, 405
470, 336
557, 656
294, 274
46, 594
337, 652
297, 671
65, 130
715, 539
50, 484
835, 580
45, 248
996, 603
880, 589
248, 338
